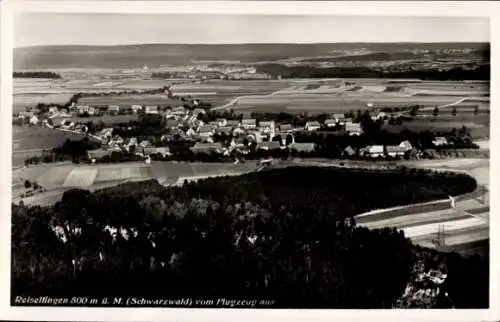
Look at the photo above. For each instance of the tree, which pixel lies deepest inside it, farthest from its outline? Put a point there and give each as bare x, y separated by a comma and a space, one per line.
476, 110
436, 111
27, 184
454, 111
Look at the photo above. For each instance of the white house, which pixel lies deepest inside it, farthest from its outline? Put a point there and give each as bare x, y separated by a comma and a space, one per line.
249, 123
330, 123
353, 128
151, 109
374, 151
440, 141
34, 120
312, 126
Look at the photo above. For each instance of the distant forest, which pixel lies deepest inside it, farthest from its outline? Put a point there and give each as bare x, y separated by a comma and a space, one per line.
36, 74
255, 236
481, 73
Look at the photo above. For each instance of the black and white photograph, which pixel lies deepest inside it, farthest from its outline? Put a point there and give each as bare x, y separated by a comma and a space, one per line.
249, 161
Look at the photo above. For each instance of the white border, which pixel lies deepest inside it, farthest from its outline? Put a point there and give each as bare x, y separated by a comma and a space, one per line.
387, 8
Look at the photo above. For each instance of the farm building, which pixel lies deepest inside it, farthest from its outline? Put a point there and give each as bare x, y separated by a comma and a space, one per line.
233, 123
207, 148
254, 136
249, 123
164, 151
353, 128
286, 127
221, 122
82, 109
312, 126
338, 117
34, 120
330, 123
151, 109
114, 109
136, 108
94, 155
396, 151
205, 131
373, 151
303, 147
268, 146
440, 141
267, 124
227, 130
349, 152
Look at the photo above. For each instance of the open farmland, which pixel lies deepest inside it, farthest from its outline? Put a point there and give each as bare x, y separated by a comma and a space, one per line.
323, 96
128, 100
465, 224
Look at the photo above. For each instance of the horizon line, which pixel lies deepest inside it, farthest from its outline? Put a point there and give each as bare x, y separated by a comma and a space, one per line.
257, 43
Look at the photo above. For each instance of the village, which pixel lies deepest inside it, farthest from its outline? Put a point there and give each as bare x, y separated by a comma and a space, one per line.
232, 138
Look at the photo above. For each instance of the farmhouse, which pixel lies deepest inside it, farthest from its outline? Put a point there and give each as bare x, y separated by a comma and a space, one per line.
164, 151
221, 122
440, 141
286, 127
114, 109
353, 128
136, 108
34, 120
82, 109
396, 151
338, 117
254, 136
303, 147
94, 155
207, 148
233, 123
330, 123
249, 123
151, 109
268, 146
227, 130
374, 151
205, 131
312, 126
349, 152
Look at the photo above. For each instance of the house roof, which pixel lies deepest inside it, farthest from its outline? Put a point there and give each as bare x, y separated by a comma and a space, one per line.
303, 147
225, 129
349, 150
313, 123
206, 146
272, 145
98, 153
266, 123
205, 129
392, 148
153, 150
286, 126
330, 121
249, 121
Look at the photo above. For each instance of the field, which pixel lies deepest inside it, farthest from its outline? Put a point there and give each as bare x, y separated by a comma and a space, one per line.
465, 225
128, 100
30, 91
478, 125
332, 95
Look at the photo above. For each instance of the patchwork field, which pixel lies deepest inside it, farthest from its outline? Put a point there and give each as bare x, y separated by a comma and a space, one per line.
38, 138
464, 225
128, 100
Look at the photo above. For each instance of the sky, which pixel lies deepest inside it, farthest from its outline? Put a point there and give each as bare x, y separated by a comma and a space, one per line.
36, 29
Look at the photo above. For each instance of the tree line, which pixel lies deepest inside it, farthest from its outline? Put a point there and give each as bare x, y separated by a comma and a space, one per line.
37, 74
253, 236
482, 72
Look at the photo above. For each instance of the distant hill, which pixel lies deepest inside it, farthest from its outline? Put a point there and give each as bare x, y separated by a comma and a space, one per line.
156, 55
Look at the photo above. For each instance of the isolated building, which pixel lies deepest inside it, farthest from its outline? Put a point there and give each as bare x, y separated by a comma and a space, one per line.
151, 109
312, 126
330, 123
353, 128
249, 123
207, 148
303, 147
114, 109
